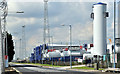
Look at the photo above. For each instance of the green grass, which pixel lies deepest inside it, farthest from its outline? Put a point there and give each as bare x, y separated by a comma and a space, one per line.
41, 64
101, 69
87, 68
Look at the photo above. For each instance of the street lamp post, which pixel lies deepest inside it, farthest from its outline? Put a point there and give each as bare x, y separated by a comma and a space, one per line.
70, 37
20, 47
114, 29
23, 41
16, 41
20, 53
20, 12
35, 55
52, 47
70, 47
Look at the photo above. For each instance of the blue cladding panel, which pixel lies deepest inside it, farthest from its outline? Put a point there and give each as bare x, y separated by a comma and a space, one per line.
34, 48
39, 57
85, 45
31, 59
46, 58
41, 47
38, 51
32, 53
54, 58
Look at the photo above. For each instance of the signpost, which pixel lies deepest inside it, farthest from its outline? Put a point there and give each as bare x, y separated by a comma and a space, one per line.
104, 57
112, 58
80, 60
6, 61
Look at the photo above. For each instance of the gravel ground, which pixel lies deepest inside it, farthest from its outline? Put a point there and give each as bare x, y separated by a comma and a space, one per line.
10, 70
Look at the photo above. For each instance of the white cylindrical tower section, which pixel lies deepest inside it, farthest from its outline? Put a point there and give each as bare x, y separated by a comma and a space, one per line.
117, 39
99, 29
118, 25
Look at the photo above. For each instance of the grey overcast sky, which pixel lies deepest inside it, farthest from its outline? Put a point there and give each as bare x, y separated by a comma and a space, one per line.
75, 13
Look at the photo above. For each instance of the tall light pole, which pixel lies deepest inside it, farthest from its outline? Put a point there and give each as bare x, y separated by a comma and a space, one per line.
35, 55
16, 50
6, 49
20, 12
20, 53
20, 46
23, 41
114, 29
70, 38
52, 49
52, 46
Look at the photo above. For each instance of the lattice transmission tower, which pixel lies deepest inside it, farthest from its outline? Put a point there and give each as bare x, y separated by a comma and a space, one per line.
3, 36
46, 35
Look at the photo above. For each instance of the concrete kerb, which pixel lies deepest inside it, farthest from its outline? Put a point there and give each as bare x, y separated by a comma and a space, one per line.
68, 68
84, 70
111, 70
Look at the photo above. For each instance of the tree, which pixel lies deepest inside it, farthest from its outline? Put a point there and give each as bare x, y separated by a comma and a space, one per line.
10, 47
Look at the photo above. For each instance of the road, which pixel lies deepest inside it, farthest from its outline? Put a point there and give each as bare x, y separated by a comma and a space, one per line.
30, 69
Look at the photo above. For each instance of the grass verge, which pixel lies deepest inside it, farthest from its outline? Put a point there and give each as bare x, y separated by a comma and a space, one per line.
86, 68
40, 64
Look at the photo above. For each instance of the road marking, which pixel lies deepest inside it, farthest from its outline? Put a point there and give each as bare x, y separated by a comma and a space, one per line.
17, 70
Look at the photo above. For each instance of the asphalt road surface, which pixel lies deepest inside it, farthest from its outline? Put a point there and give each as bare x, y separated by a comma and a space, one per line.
30, 69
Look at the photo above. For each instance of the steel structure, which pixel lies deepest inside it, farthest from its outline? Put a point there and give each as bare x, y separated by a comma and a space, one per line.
46, 34
45, 20
46, 23
4, 12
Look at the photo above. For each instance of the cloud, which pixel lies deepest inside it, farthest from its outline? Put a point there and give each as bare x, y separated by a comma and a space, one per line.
83, 32
30, 9
15, 20
79, 33
59, 0
75, 13
65, 12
